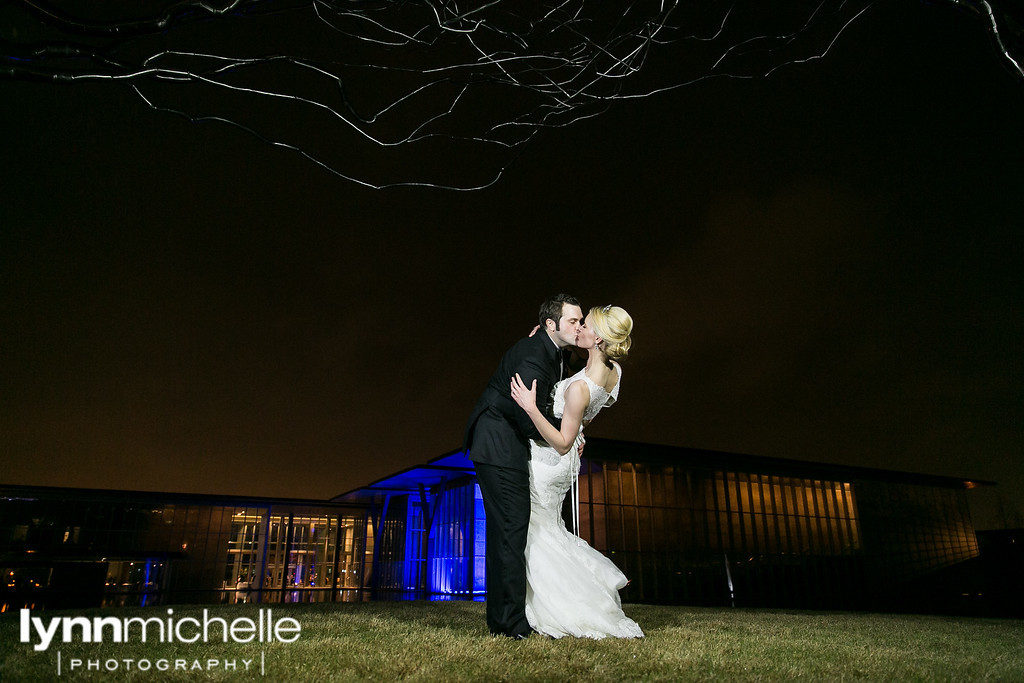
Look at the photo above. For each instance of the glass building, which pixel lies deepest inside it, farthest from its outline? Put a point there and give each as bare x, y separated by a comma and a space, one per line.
700, 527
704, 528
78, 548
432, 538
686, 526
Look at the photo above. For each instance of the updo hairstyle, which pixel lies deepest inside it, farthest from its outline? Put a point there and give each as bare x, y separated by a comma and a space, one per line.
614, 326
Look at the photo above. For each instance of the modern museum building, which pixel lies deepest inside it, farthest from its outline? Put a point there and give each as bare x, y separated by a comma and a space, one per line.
687, 526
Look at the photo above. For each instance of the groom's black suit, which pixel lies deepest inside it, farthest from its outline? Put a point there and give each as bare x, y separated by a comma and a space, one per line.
498, 436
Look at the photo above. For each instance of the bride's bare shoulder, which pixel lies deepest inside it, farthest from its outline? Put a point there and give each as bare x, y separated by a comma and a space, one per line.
578, 390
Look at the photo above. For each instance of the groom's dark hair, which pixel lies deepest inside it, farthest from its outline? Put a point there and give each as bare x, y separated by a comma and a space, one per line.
552, 308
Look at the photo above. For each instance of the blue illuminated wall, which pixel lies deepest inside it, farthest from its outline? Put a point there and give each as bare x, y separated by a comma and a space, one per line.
479, 543
457, 543
432, 543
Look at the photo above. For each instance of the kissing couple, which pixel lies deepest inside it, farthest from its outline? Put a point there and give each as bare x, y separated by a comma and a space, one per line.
524, 438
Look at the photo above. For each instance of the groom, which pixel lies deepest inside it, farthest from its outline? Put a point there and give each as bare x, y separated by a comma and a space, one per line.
498, 437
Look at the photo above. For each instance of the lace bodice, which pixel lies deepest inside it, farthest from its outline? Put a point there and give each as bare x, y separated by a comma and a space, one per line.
599, 398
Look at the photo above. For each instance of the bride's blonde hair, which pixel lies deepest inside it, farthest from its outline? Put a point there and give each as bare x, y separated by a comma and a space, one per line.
614, 326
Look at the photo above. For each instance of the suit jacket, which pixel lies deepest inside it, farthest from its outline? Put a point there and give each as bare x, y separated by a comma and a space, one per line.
498, 431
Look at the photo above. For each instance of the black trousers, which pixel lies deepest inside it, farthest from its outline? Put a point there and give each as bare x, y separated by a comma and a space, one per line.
506, 494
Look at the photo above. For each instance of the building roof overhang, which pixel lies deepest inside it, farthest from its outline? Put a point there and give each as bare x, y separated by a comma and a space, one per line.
455, 465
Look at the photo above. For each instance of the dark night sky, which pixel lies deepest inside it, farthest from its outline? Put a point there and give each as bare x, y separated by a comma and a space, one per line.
824, 264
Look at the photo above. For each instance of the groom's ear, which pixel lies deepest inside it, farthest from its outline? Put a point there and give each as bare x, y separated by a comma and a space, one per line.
550, 325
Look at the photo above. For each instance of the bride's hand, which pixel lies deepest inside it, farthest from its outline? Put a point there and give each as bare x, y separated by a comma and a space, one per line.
525, 396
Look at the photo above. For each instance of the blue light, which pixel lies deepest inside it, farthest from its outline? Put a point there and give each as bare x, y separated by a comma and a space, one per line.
145, 584
479, 542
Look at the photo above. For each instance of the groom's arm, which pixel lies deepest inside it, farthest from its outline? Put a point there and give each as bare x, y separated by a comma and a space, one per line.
534, 369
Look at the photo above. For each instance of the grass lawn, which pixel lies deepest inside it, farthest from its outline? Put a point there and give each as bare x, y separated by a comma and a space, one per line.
448, 641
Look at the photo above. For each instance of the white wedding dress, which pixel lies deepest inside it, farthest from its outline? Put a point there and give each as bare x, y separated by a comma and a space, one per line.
572, 589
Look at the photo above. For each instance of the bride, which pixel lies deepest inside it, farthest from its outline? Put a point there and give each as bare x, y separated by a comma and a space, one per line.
572, 589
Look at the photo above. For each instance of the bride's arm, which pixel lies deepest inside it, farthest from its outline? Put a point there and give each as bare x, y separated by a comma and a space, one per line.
577, 396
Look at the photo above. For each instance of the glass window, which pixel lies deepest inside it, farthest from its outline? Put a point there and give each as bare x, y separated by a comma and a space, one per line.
612, 484
643, 485
628, 484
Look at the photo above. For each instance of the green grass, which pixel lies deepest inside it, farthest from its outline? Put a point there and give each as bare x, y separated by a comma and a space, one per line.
447, 641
